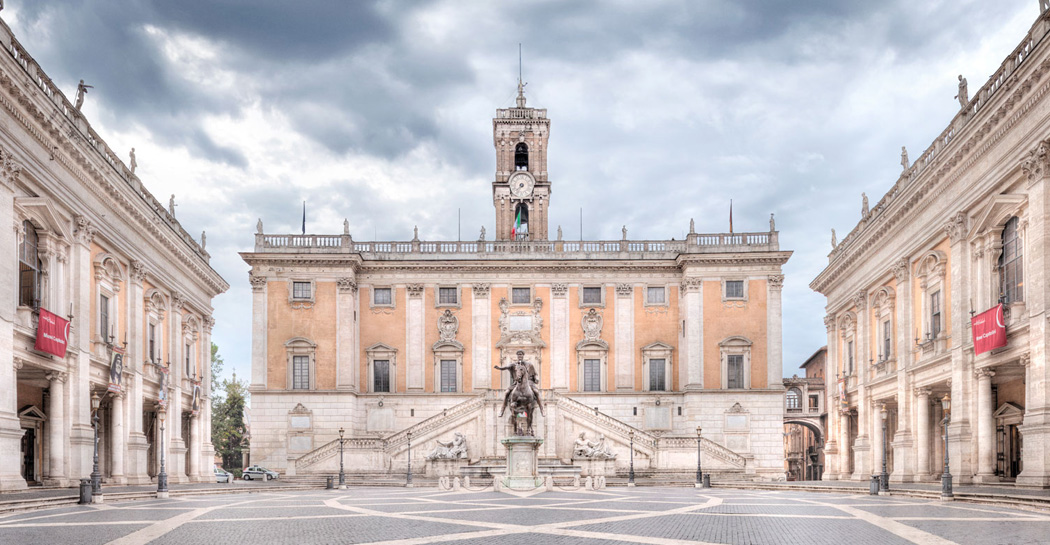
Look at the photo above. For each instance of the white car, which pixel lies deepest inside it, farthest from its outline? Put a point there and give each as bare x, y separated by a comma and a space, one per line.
259, 472
223, 476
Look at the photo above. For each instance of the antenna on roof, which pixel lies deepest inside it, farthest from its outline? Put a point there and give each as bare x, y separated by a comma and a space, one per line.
519, 62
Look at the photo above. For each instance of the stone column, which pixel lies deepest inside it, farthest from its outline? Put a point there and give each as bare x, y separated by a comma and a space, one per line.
560, 352
347, 371
774, 333
986, 448
878, 441
862, 455
10, 427
116, 437
194, 449
845, 447
137, 447
1036, 425
56, 429
960, 437
205, 448
415, 328
922, 433
259, 336
481, 337
832, 404
694, 333
81, 439
624, 341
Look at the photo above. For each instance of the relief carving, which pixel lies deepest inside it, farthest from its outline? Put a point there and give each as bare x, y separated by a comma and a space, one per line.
592, 325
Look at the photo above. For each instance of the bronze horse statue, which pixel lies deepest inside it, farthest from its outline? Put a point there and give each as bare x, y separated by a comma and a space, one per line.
523, 396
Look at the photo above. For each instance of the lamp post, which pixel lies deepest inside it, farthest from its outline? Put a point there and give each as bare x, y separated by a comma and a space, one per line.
162, 477
96, 477
946, 477
408, 482
884, 478
630, 474
342, 476
699, 469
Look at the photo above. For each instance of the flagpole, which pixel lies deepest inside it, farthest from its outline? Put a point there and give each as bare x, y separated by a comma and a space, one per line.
304, 217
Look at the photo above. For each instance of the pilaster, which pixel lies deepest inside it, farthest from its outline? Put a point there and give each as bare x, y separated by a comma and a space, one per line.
774, 335
560, 350
694, 333
624, 354
259, 331
415, 334
481, 336
56, 429
960, 438
347, 371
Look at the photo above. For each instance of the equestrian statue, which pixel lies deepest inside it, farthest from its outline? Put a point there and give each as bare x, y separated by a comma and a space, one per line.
523, 395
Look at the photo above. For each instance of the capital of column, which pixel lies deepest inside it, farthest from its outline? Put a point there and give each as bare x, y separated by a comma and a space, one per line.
776, 282
481, 289
559, 290
258, 282
414, 290
984, 373
902, 269
138, 271
1026, 359
955, 228
829, 322
346, 285
923, 391
860, 300
692, 284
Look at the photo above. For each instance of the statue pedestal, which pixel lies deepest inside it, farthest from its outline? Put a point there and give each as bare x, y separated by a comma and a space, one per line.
522, 462
444, 467
590, 467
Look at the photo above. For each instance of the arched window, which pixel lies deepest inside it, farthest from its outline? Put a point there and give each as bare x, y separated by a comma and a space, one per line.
520, 230
794, 399
29, 267
1011, 264
521, 156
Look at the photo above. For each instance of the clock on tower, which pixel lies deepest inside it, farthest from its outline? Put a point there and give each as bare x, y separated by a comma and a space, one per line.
521, 191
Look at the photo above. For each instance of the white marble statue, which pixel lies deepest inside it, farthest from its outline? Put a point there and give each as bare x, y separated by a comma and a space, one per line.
450, 450
964, 94
595, 450
81, 91
904, 158
834, 240
864, 205
134, 164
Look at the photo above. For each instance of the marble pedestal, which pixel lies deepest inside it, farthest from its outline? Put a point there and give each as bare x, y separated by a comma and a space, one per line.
522, 463
444, 467
590, 467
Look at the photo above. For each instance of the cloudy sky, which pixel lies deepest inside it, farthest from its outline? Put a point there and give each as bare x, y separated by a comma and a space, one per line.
381, 113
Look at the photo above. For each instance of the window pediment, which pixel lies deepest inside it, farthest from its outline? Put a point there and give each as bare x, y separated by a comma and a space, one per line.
996, 213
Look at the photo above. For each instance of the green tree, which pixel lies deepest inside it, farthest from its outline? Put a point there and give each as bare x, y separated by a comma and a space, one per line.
228, 430
216, 364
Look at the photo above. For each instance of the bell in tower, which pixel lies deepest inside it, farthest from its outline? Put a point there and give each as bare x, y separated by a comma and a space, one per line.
521, 191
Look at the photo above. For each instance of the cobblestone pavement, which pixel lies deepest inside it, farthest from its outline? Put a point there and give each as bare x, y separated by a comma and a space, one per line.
401, 516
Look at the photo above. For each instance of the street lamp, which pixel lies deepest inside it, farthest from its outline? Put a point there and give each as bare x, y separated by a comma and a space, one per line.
162, 477
408, 482
884, 479
96, 477
630, 474
699, 470
342, 476
946, 477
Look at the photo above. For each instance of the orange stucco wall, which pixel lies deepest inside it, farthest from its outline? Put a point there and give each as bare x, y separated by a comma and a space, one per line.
655, 324
383, 325
316, 324
734, 319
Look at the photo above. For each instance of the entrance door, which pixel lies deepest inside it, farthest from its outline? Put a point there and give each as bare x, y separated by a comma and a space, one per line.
29, 455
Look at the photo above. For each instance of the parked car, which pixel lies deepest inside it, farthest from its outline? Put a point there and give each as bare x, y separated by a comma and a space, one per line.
259, 472
223, 476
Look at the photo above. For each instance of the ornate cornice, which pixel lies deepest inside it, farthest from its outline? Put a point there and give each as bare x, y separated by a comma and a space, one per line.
913, 194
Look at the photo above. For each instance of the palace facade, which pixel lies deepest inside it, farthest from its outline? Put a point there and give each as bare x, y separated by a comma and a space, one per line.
964, 228
87, 243
638, 341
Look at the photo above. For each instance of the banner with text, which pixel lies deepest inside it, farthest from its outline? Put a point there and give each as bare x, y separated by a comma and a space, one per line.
989, 330
52, 333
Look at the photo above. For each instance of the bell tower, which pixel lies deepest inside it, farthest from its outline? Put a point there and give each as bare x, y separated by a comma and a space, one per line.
521, 192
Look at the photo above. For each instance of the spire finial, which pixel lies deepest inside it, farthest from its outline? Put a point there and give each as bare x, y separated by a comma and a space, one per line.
521, 84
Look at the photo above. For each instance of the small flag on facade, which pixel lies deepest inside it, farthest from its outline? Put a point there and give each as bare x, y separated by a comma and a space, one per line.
517, 225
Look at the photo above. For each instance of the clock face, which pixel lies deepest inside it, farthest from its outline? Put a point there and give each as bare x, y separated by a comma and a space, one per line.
521, 184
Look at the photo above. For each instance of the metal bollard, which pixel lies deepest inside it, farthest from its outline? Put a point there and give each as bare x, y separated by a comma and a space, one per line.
85, 491
875, 481
329, 482
707, 480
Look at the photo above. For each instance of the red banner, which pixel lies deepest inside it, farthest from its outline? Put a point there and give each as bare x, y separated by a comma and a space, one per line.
51, 334
989, 330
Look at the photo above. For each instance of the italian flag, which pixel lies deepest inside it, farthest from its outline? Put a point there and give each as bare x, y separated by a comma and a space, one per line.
517, 225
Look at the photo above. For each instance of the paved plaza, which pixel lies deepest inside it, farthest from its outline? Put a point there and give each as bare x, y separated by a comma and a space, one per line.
620, 515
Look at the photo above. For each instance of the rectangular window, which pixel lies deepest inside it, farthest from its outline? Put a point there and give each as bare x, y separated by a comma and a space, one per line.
734, 289
849, 356
103, 317
1011, 261
152, 342
886, 338
656, 295
592, 375
300, 372
448, 296
657, 375
382, 296
300, 290
592, 295
189, 361
735, 371
448, 375
381, 376
521, 296
814, 402
935, 313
